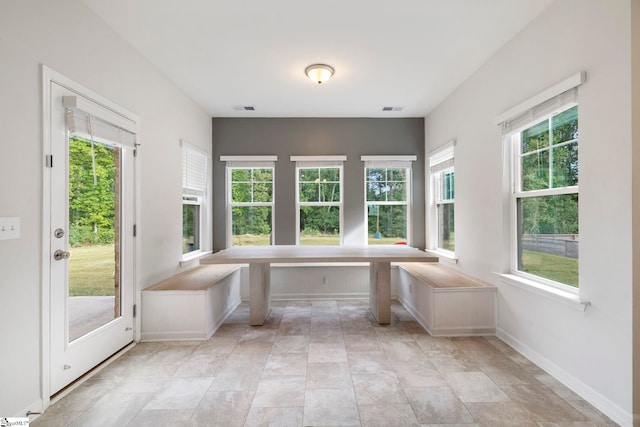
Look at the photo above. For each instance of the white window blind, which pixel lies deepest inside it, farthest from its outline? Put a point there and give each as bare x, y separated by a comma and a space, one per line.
442, 158
194, 170
392, 162
541, 105
249, 161
319, 161
96, 123
539, 111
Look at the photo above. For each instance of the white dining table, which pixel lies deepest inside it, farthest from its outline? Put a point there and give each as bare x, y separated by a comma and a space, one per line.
260, 259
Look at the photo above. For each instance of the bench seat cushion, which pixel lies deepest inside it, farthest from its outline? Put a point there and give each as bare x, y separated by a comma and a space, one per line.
199, 278
438, 276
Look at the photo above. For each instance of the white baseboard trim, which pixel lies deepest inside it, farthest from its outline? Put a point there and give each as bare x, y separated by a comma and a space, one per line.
464, 332
602, 403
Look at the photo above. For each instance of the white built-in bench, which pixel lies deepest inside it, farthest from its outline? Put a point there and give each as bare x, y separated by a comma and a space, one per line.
190, 305
445, 302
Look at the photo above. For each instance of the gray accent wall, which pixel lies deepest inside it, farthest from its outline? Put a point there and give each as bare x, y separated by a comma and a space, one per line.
287, 137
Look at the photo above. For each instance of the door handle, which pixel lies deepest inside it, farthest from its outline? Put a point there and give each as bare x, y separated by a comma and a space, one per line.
60, 255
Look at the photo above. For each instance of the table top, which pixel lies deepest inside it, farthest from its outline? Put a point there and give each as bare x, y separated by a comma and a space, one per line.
317, 254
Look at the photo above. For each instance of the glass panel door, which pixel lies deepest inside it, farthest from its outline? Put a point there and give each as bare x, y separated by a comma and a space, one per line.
91, 246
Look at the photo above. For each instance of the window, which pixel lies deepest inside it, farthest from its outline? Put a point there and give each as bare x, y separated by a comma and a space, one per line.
194, 190
442, 172
541, 142
545, 198
388, 199
319, 199
250, 200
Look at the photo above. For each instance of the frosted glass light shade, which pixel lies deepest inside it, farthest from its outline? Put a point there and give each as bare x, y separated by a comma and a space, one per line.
319, 73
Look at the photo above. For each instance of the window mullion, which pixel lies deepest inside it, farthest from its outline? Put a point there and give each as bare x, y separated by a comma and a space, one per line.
547, 192
392, 203
550, 153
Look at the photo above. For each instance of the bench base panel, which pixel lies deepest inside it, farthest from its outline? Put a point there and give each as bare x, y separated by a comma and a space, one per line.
188, 315
449, 311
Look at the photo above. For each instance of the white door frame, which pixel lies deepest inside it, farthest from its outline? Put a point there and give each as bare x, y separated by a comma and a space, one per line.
48, 76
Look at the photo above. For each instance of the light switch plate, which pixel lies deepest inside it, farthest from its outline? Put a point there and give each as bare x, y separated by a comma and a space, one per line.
9, 228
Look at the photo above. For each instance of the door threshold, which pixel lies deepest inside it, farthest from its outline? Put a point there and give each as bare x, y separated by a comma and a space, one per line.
77, 383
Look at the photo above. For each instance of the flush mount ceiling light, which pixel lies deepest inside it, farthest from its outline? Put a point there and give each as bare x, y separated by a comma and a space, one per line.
319, 73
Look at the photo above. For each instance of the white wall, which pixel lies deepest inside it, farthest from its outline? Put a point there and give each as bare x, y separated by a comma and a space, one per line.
591, 351
67, 37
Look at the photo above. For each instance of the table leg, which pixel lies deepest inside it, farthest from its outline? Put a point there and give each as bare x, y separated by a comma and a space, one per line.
259, 292
380, 291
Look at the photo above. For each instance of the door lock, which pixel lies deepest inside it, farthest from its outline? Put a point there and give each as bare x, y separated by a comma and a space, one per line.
59, 233
60, 255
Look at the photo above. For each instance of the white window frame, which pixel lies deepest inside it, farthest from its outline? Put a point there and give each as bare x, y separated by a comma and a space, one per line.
195, 190
390, 162
311, 162
247, 162
441, 161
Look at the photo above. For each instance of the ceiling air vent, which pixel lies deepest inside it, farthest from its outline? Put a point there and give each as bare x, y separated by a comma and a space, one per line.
244, 108
392, 108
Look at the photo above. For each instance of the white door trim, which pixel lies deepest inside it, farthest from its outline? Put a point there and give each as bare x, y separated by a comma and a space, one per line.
48, 76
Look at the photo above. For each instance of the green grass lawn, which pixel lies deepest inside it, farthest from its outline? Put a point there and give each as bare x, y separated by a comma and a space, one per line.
305, 239
320, 239
250, 240
91, 270
558, 268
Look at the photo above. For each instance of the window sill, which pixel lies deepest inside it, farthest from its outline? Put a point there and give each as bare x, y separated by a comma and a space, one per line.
568, 298
190, 257
446, 256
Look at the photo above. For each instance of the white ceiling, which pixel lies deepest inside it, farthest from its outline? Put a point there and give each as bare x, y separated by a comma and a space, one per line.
402, 53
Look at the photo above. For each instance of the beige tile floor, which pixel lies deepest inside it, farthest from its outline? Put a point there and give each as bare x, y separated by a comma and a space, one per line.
323, 363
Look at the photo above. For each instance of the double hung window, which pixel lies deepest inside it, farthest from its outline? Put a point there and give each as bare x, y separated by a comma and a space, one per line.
194, 195
319, 207
388, 199
442, 172
542, 141
250, 200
